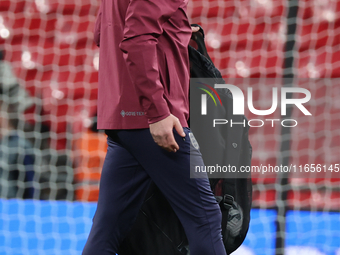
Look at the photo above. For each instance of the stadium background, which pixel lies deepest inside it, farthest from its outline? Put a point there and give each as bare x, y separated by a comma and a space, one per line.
49, 52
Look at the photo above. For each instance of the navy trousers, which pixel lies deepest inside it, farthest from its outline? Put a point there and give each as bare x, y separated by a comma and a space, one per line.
133, 159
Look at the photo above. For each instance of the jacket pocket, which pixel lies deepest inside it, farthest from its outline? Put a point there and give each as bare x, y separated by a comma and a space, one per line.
164, 74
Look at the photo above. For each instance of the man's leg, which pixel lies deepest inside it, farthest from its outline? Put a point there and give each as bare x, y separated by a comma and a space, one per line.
123, 186
191, 199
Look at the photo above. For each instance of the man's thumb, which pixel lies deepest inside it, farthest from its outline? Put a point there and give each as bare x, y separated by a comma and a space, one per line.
179, 128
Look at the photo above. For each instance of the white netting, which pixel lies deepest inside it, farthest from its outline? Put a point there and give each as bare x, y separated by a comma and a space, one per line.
49, 88
247, 39
49, 47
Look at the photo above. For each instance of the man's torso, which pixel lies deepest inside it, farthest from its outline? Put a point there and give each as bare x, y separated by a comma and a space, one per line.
118, 103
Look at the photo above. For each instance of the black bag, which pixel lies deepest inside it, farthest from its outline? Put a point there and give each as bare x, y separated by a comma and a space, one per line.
231, 144
157, 229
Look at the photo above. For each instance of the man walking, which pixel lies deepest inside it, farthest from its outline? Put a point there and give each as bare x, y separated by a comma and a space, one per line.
143, 105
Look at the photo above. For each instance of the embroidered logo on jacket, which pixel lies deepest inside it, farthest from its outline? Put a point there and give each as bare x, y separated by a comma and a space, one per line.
131, 114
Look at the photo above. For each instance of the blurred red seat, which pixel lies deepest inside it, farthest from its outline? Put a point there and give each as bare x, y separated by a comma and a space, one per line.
260, 9
24, 27
317, 35
13, 6
250, 64
211, 9
264, 198
34, 54
69, 100
244, 9
68, 7
252, 37
317, 11
316, 140
75, 31
306, 199
319, 63
61, 115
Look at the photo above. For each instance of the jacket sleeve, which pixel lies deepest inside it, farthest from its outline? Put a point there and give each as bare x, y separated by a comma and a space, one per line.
97, 26
143, 25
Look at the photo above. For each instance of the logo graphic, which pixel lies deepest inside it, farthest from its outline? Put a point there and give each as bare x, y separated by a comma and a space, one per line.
193, 141
131, 114
204, 98
282, 99
238, 102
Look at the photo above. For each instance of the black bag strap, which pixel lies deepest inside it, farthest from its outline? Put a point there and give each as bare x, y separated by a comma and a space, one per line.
198, 37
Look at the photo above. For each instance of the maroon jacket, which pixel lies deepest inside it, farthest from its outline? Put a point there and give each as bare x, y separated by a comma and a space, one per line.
143, 63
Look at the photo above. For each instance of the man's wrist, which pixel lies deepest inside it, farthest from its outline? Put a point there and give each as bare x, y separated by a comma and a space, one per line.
158, 118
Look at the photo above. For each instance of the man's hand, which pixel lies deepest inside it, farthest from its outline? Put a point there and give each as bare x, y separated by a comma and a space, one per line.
162, 132
195, 29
